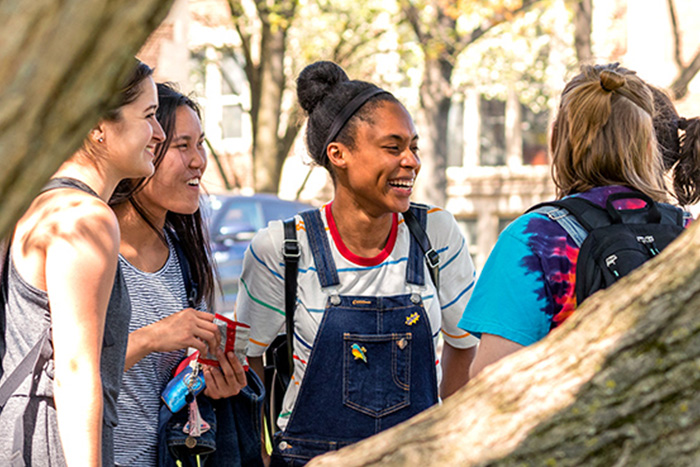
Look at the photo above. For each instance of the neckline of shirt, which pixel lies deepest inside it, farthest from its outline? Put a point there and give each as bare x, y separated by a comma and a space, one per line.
349, 255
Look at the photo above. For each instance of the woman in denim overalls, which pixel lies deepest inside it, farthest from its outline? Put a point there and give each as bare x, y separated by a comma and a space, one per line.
368, 314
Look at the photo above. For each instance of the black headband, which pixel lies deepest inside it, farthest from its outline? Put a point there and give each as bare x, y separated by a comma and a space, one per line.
348, 111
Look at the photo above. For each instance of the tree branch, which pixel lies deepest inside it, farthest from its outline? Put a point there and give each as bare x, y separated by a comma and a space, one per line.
413, 15
344, 58
237, 13
676, 34
491, 23
341, 42
679, 88
294, 123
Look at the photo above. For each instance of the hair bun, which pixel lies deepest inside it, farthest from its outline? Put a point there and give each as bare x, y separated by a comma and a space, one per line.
611, 80
316, 81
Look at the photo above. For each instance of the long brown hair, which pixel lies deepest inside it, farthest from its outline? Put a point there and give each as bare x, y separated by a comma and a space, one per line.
190, 229
129, 90
603, 134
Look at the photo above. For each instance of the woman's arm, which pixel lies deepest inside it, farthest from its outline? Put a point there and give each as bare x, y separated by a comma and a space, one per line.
186, 328
455, 368
491, 349
81, 262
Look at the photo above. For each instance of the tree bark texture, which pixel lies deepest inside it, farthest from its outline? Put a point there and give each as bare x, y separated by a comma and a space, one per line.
583, 25
435, 100
615, 385
61, 62
267, 161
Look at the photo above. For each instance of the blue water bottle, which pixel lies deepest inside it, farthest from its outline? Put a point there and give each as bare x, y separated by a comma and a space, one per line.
183, 388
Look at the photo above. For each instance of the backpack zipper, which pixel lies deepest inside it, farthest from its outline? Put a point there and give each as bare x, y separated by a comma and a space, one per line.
648, 241
610, 263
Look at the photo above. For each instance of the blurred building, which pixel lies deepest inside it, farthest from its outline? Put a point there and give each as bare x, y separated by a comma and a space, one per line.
498, 156
498, 164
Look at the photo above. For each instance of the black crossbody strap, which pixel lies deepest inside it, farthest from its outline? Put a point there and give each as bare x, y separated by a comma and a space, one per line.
30, 366
291, 253
190, 285
432, 258
3, 301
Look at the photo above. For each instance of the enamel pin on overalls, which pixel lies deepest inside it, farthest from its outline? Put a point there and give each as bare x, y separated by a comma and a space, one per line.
359, 352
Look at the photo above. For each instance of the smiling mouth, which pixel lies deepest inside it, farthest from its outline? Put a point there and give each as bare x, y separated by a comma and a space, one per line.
404, 184
193, 182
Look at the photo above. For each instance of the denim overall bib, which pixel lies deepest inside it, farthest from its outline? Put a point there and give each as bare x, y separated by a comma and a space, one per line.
372, 365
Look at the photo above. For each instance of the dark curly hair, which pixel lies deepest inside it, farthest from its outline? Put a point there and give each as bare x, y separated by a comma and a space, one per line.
323, 90
679, 144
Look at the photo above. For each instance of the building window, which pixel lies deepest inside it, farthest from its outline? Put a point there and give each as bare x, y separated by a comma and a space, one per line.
231, 76
492, 138
231, 121
534, 134
455, 135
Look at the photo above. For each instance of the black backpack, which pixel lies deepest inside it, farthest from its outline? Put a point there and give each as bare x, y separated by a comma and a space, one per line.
278, 356
613, 242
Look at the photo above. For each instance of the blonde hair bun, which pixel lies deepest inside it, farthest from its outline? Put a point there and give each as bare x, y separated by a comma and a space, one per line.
611, 80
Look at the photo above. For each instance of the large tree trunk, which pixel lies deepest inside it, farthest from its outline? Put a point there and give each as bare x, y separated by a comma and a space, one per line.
266, 161
615, 385
435, 97
583, 25
61, 60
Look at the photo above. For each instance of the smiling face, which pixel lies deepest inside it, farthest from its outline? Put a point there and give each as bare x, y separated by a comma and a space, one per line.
379, 172
130, 141
175, 184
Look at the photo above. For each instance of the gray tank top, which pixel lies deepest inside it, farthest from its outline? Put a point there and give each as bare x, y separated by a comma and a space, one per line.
27, 315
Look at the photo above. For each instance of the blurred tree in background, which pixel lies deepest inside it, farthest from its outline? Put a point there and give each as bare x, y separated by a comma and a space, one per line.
278, 40
445, 29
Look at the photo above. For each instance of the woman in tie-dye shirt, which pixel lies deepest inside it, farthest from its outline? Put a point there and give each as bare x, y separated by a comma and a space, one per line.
603, 142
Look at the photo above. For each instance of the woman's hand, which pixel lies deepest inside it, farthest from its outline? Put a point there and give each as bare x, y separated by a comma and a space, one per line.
186, 328
226, 380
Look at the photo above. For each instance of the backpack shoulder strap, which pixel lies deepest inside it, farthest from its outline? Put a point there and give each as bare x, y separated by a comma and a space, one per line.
565, 215
417, 229
190, 285
291, 253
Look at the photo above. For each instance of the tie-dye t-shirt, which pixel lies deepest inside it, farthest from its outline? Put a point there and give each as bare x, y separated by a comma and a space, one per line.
527, 286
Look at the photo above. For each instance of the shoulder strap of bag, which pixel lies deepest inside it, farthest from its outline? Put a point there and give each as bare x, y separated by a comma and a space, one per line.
432, 259
3, 299
30, 366
556, 212
190, 285
291, 253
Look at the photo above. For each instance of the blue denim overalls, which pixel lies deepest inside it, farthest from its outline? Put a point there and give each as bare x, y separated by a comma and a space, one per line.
372, 365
